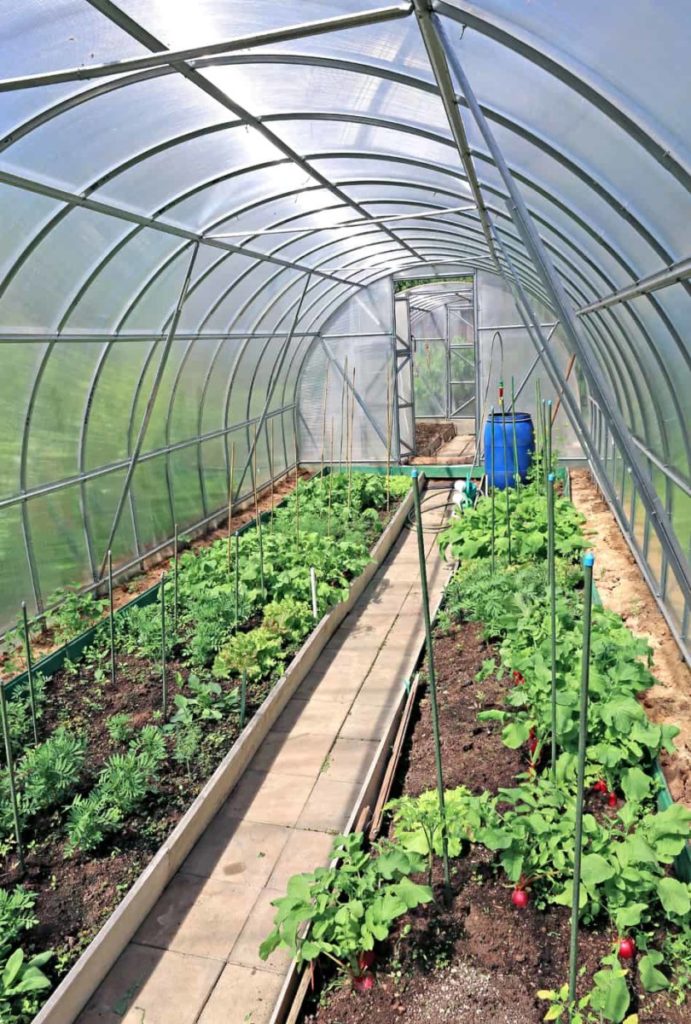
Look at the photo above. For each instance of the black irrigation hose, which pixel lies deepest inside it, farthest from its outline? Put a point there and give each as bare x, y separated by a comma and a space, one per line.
426, 506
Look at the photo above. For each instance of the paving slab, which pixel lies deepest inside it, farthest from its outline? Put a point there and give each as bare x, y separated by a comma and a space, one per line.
305, 850
258, 925
244, 852
198, 916
195, 959
152, 986
243, 995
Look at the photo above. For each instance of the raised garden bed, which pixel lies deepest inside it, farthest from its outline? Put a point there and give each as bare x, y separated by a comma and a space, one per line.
429, 437
496, 946
113, 773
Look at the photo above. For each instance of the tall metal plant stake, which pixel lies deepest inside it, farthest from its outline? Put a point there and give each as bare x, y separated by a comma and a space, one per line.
230, 497
257, 516
588, 562
11, 777
491, 449
164, 675
432, 681
548, 433
506, 462
111, 619
29, 672
516, 473
552, 584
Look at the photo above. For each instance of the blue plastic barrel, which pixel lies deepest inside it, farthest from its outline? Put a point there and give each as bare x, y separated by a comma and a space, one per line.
503, 472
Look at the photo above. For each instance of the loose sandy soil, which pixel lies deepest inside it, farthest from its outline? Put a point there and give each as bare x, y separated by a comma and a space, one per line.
624, 591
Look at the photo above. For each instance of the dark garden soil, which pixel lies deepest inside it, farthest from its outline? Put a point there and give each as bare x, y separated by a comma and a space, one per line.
76, 894
429, 437
44, 642
475, 959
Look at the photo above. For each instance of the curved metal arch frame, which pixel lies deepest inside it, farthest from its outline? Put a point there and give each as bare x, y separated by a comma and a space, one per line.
334, 286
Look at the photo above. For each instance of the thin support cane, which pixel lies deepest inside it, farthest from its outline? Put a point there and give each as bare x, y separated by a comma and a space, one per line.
552, 583
539, 443
175, 582
243, 700
11, 777
506, 462
164, 675
350, 453
257, 517
516, 471
588, 562
297, 491
389, 425
331, 481
313, 589
230, 497
491, 448
271, 472
237, 577
548, 433
29, 672
432, 680
111, 620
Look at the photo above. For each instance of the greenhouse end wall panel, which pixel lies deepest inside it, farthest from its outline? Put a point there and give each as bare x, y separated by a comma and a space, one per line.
223, 261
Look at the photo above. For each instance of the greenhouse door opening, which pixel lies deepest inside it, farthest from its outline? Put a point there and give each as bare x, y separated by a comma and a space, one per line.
442, 331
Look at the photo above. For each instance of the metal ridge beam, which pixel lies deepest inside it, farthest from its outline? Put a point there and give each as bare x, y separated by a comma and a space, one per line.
676, 272
167, 57
435, 55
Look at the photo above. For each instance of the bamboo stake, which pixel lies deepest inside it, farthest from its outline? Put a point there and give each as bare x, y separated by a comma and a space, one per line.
323, 453
29, 672
237, 576
331, 481
313, 589
344, 413
389, 419
516, 472
175, 582
257, 517
588, 562
297, 490
491, 444
271, 471
243, 700
230, 497
164, 676
111, 620
350, 457
11, 777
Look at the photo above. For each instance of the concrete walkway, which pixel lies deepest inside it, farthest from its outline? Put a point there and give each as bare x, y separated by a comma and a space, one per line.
195, 958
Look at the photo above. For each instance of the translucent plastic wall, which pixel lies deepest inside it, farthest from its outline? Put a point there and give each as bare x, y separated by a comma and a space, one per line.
323, 145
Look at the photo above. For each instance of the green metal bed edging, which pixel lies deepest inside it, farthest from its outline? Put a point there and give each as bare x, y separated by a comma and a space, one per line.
74, 648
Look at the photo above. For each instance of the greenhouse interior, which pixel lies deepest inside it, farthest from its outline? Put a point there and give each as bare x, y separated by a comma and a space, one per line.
345, 520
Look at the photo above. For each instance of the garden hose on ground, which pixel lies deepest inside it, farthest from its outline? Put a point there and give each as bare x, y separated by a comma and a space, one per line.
430, 502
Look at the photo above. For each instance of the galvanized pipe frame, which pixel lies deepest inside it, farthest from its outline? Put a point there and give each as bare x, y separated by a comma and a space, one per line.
133, 28
553, 284
619, 205
674, 274
269, 37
